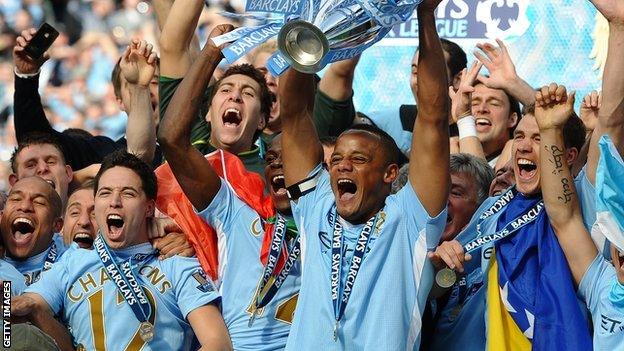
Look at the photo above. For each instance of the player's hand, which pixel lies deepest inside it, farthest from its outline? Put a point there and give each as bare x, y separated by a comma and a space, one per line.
138, 63
22, 308
589, 109
219, 30
553, 106
461, 99
449, 254
24, 63
174, 243
499, 64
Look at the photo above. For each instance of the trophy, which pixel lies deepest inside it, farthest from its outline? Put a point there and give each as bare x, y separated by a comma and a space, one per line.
339, 30
314, 33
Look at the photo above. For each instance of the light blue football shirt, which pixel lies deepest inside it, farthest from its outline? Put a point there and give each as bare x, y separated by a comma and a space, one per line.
32, 267
608, 319
78, 289
240, 232
385, 308
8, 272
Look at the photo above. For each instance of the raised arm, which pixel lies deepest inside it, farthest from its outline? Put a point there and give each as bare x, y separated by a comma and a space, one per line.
503, 72
138, 64
29, 114
557, 183
301, 148
35, 309
611, 113
176, 36
198, 180
429, 156
333, 103
469, 143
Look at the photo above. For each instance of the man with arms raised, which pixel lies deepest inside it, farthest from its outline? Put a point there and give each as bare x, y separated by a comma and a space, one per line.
253, 324
162, 302
355, 231
600, 283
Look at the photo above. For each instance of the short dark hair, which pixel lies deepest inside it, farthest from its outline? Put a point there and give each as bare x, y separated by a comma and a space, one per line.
122, 158
266, 97
36, 138
78, 132
116, 79
391, 150
328, 141
87, 185
457, 57
574, 132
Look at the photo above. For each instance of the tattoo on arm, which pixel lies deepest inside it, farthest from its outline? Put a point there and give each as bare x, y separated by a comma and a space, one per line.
557, 159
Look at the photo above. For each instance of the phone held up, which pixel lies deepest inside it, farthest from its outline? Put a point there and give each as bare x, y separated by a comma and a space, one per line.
41, 41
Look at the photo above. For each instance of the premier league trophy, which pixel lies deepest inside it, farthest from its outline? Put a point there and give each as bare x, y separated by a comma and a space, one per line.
314, 33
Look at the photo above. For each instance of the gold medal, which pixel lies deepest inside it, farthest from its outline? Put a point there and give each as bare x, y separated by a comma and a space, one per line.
252, 318
146, 331
445, 278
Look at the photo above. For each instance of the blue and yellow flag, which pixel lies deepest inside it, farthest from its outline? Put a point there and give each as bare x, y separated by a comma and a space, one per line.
532, 303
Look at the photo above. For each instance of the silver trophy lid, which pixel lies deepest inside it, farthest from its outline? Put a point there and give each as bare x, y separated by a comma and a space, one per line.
303, 45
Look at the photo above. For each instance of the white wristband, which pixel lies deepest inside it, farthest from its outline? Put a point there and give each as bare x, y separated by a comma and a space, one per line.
25, 75
467, 127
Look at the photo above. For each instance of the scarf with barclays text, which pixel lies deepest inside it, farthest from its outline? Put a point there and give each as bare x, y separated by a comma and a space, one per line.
536, 284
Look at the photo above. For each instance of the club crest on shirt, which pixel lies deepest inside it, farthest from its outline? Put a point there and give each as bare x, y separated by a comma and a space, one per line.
205, 285
256, 227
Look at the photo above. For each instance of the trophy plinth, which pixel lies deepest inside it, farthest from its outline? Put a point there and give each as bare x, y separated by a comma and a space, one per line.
303, 45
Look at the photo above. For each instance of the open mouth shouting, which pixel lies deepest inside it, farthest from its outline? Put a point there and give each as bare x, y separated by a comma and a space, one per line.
527, 169
482, 123
231, 117
115, 224
22, 229
83, 239
346, 190
278, 185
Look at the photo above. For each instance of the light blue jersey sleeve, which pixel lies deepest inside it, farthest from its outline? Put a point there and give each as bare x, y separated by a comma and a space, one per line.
52, 285
306, 205
9, 273
608, 319
587, 198
223, 209
409, 204
193, 289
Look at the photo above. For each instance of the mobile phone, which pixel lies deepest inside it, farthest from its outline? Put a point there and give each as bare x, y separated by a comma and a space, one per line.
41, 41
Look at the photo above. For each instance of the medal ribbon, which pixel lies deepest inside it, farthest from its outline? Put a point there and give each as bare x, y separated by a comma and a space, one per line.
124, 279
522, 220
51, 257
340, 304
278, 243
